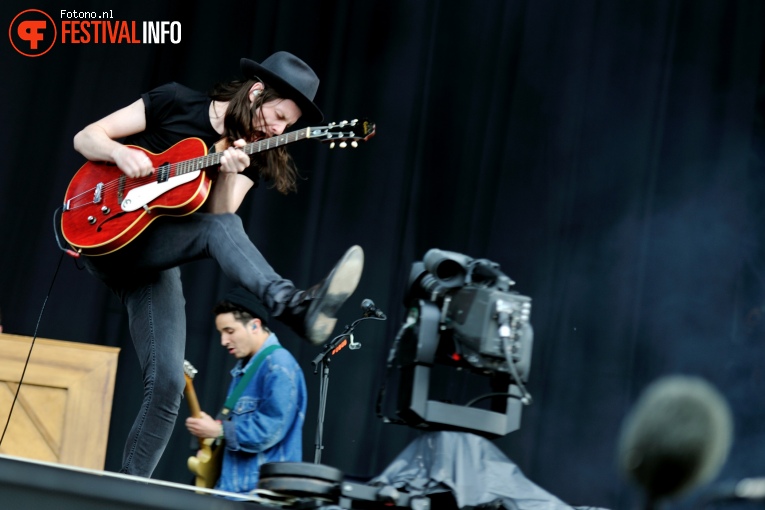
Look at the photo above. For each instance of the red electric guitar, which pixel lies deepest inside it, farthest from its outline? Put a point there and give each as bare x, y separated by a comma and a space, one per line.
104, 210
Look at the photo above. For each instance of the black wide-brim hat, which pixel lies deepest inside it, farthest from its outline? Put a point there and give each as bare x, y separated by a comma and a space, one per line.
291, 77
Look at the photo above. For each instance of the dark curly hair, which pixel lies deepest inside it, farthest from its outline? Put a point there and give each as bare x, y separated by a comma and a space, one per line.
241, 315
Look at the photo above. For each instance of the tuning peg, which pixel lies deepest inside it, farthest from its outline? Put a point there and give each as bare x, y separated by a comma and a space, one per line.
343, 145
354, 122
332, 145
354, 144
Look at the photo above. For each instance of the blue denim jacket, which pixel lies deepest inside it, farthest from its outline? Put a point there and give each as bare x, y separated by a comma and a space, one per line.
266, 424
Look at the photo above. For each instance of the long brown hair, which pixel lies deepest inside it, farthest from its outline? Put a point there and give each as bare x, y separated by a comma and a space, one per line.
276, 164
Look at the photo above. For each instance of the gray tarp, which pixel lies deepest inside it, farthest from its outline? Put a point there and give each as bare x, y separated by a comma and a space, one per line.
471, 467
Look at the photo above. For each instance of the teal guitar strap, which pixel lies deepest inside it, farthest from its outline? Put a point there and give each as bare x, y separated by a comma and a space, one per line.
248, 375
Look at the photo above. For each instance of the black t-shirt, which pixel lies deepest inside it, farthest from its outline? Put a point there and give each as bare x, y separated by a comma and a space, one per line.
173, 113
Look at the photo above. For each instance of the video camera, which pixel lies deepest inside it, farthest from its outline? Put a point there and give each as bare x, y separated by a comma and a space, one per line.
462, 316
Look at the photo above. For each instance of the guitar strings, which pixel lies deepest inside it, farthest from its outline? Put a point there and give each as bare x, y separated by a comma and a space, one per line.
115, 184
174, 170
187, 166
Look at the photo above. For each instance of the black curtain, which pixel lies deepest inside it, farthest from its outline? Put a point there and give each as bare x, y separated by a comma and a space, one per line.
609, 155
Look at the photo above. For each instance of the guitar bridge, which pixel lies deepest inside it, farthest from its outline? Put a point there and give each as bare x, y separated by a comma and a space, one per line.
97, 196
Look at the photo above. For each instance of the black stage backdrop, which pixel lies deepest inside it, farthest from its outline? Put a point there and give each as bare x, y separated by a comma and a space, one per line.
609, 155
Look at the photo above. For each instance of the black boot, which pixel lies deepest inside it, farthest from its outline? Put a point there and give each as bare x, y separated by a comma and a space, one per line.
311, 313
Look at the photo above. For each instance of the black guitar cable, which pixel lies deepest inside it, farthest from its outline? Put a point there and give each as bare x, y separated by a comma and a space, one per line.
29, 355
69, 252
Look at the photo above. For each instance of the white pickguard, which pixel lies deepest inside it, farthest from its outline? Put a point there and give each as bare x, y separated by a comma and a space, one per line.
142, 195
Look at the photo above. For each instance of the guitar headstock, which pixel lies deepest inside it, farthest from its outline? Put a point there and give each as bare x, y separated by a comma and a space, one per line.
189, 370
341, 133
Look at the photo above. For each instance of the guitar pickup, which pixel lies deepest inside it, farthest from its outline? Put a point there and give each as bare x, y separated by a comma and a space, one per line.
163, 172
98, 195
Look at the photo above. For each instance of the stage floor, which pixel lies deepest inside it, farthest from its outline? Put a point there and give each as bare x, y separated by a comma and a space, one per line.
30, 485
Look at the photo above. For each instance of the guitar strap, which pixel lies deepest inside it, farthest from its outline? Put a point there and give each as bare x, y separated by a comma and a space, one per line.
245, 380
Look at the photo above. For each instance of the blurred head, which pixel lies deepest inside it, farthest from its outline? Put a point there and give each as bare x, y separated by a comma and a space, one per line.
676, 437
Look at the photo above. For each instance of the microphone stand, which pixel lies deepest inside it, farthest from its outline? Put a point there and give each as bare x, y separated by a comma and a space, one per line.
330, 349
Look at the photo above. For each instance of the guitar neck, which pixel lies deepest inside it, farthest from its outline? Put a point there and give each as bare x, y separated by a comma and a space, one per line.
191, 397
192, 165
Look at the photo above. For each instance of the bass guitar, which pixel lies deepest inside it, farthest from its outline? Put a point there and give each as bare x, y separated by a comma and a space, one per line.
206, 465
104, 210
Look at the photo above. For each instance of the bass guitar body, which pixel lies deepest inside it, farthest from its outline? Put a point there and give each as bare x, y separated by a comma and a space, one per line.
206, 465
104, 210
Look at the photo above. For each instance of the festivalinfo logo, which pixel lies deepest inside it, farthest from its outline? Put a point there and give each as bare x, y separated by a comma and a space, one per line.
33, 32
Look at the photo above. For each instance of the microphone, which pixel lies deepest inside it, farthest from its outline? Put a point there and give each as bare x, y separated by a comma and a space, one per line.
676, 438
370, 310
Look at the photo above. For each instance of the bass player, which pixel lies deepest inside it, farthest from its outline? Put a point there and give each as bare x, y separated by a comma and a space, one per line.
262, 419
